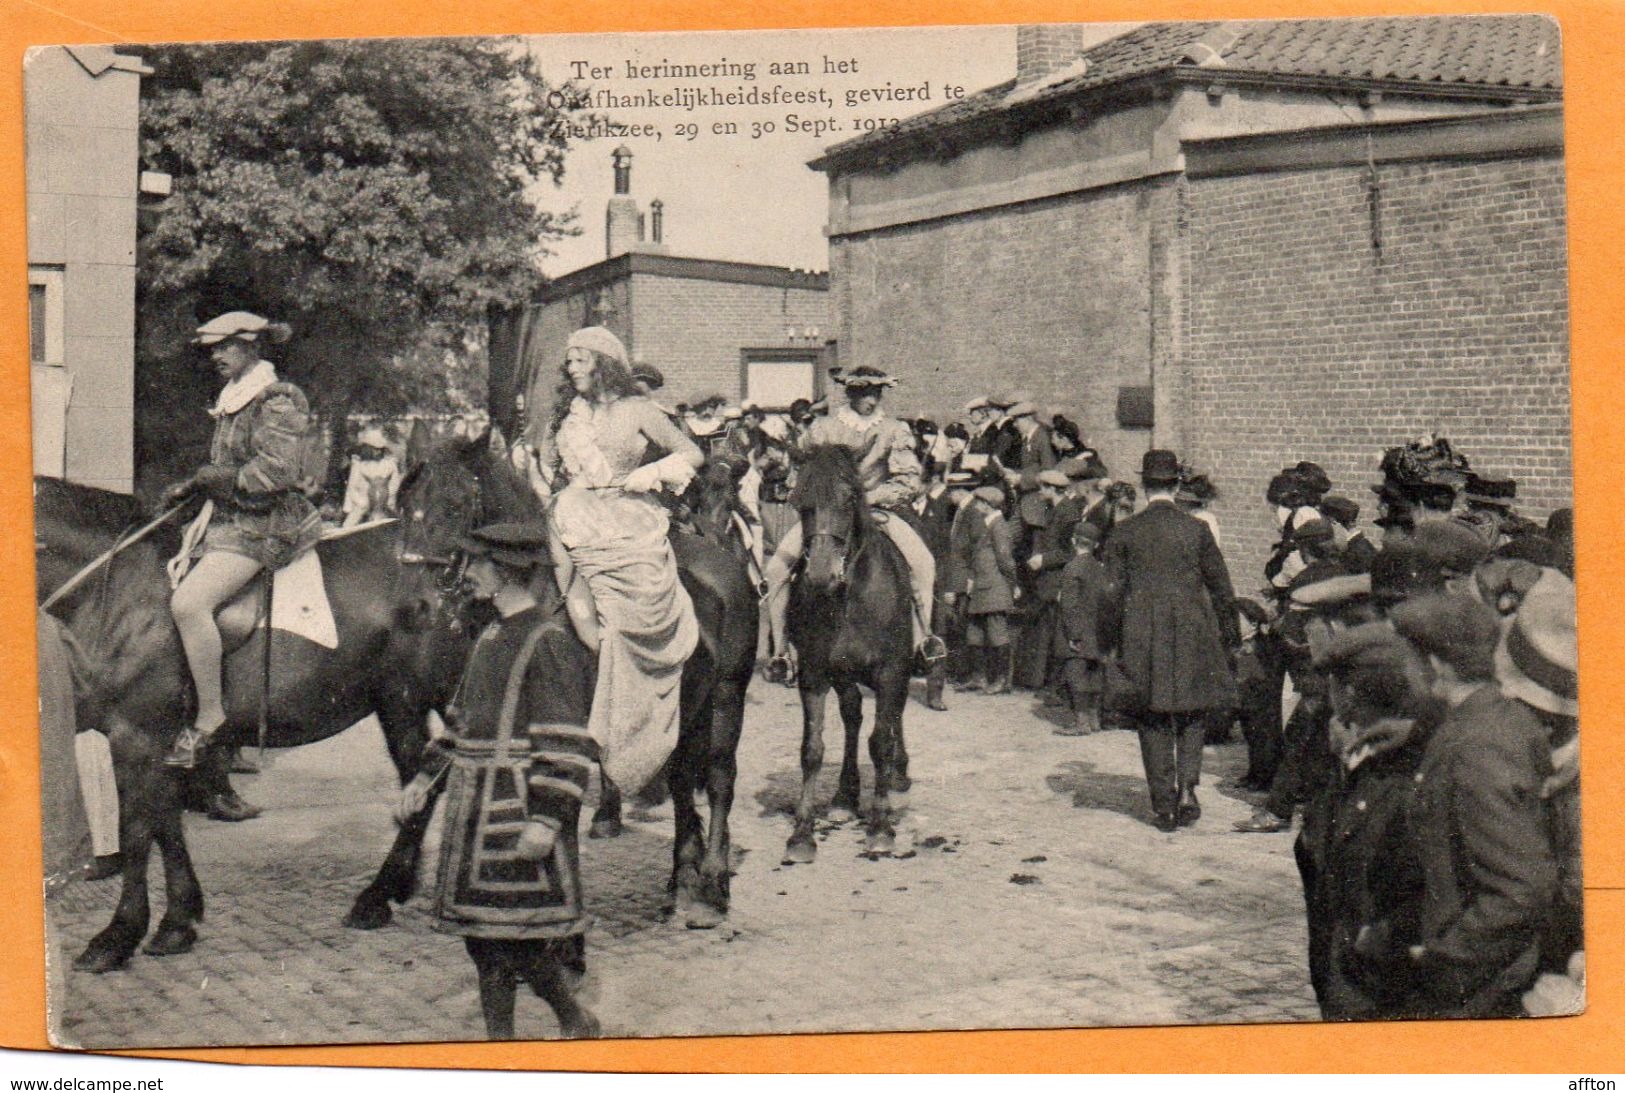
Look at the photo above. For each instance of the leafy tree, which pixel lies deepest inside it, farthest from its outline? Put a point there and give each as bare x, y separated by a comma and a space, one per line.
376, 195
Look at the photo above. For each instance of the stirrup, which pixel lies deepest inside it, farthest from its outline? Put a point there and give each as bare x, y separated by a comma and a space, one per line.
933, 650
780, 669
183, 754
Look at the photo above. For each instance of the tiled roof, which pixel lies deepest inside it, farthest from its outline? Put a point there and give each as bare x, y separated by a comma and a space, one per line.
1463, 52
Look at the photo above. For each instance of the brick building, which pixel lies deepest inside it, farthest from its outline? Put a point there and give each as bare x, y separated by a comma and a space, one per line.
744, 330
1253, 242
81, 105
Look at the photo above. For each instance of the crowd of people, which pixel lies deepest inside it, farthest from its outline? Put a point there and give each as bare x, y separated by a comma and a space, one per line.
1410, 692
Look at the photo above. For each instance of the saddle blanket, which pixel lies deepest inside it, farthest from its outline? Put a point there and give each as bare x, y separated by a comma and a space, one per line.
299, 601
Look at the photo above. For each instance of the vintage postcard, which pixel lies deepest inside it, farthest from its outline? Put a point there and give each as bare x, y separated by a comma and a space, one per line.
644, 535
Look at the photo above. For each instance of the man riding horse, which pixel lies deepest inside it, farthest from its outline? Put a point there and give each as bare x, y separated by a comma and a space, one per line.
258, 515
891, 474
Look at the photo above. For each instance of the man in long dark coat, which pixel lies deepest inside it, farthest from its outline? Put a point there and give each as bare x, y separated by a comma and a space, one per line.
1170, 617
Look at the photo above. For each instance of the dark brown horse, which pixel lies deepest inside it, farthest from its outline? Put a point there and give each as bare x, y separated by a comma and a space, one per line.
394, 658
850, 618
455, 488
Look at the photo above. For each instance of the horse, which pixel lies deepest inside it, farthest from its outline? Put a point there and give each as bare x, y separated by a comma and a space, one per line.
454, 488
850, 618
132, 683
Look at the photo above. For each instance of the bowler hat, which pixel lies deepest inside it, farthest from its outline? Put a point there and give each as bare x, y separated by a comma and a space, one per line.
1159, 467
1459, 630
1537, 660
510, 543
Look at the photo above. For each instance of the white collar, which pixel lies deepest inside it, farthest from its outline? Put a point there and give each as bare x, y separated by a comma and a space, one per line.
854, 420
244, 389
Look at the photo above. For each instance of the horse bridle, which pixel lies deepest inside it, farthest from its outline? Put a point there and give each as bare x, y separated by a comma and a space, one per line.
448, 572
843, 542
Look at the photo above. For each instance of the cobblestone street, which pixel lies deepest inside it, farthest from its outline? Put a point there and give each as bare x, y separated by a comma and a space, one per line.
1029, 890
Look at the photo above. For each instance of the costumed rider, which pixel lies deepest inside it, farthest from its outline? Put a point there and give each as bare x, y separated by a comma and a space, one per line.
612, 559
256, 513
891, 475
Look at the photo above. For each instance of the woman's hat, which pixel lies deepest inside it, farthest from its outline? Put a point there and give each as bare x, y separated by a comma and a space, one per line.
599, 340
862, 376
1159, 467
1196, 488
510, 543
239, 324
1494, 490
1537, 660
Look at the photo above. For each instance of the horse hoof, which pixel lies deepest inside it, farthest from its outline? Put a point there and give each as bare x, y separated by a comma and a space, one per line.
842, 814
604, 829
98, 959
881, 843
369, 916
171, 941
702, 916
584, 1027
800, 852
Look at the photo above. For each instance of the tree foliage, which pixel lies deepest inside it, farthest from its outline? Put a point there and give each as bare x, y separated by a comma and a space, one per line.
377, 195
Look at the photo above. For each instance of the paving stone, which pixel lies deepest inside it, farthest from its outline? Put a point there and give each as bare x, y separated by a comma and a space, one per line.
1126, 926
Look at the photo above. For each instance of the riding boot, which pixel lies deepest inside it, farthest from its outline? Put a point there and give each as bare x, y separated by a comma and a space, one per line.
933, 686
999, 669
976, 669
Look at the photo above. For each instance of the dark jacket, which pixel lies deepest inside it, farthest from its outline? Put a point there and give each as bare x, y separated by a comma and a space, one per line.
935, 526
1369, 878
1081, 584
983, 560
1485, 852
1169, 614
1054, 545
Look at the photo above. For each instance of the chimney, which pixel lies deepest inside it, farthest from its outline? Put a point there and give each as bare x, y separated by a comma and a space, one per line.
657, 217
623, 229
1046, 48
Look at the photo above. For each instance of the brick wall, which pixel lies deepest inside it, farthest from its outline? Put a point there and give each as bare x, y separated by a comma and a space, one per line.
1301, 340
1054, 296
693, 329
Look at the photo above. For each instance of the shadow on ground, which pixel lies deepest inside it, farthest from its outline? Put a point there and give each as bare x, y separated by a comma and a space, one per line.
1100, 790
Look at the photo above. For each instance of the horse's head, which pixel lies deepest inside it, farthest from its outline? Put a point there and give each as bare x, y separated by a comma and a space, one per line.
829, 497
452, 487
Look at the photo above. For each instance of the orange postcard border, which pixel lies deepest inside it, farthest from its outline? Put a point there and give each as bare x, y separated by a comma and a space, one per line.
1594, 55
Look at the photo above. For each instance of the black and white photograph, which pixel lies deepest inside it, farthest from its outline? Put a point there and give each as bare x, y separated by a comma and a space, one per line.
723, 533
